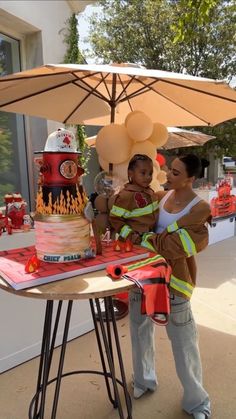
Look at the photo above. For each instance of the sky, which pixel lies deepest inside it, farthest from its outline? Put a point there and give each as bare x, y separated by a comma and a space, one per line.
83, 27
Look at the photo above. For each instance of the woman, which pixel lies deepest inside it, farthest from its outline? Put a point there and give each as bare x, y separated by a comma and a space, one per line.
180, 233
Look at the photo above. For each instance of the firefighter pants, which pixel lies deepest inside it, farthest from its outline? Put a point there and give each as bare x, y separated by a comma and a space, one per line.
182, 333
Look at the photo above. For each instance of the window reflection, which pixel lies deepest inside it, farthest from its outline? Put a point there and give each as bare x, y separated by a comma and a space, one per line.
13, 162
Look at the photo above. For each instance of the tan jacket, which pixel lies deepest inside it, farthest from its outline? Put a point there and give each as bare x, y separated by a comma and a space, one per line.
183, 238
135, 210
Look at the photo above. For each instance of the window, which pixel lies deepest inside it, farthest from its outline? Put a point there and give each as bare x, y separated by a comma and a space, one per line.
13, 154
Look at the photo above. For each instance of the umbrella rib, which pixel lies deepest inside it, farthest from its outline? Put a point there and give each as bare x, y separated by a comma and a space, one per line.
172, 101
48, 89
103, 79
198, 90
90, 92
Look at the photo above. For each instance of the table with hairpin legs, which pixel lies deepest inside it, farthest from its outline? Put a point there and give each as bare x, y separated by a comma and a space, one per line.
94, 286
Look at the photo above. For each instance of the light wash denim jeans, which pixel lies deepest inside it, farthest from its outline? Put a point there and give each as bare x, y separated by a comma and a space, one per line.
182, 333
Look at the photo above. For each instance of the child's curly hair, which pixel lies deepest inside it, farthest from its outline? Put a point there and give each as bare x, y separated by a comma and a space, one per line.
136, 158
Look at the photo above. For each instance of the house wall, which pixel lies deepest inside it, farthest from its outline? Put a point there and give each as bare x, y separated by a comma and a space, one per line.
39, 26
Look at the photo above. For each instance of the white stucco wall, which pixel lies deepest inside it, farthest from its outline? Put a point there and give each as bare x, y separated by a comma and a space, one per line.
48, 17
38, 25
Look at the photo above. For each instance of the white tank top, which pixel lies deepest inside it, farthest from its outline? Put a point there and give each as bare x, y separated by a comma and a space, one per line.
166, 218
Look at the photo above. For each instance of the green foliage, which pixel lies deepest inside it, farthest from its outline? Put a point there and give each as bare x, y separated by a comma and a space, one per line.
83, 147
6, 151
193, 13
71, 38
4, 189
193, 36
74, 56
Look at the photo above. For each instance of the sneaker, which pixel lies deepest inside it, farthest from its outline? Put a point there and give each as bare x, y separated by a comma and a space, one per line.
139, 392
160, 319
200, 415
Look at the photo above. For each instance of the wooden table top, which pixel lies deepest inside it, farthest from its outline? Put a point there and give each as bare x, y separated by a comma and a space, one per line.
93, 285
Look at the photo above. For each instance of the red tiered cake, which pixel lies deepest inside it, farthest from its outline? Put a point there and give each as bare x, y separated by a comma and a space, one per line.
62, 230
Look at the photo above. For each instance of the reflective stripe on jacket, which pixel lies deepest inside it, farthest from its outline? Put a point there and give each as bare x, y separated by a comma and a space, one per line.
183, 238
135, 209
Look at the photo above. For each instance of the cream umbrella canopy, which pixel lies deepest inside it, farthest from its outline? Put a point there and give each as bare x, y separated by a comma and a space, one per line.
100, 94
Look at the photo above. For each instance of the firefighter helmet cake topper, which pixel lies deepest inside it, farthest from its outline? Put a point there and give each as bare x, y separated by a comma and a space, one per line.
61, 140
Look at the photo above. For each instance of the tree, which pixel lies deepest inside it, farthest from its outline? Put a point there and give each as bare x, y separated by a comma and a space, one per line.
192, 36
74, 56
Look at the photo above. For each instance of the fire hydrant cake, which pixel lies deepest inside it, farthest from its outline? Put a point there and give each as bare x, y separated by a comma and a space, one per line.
62, 231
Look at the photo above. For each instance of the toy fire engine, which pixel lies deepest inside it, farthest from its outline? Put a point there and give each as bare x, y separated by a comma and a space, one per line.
224, 204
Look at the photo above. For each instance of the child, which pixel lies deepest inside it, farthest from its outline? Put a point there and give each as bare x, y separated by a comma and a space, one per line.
135, 208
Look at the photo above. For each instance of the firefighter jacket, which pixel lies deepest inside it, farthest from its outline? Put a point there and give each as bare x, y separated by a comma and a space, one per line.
183, 238
135, 210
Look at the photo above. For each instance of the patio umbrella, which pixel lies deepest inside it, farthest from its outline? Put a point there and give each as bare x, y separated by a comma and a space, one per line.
177, 138
100, 94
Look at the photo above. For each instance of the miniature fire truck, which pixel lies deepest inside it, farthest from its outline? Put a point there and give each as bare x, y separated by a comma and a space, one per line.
224, 204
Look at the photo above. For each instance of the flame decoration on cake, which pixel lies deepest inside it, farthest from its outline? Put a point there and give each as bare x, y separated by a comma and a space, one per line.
62, 205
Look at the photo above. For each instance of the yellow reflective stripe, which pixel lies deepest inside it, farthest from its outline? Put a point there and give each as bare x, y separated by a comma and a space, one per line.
145, 242
145, 262
137, 212
181, 286
172, 227
187, 242
125, 231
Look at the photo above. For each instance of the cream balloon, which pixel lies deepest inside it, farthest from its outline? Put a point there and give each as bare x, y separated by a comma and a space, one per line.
103, 163
100, 203
113, 143
156, 166
159, 135
121, 170
144, 147
162, 177
139, 126
155, 185
131, 114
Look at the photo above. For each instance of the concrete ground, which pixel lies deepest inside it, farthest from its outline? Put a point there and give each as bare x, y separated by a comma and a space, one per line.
214, 307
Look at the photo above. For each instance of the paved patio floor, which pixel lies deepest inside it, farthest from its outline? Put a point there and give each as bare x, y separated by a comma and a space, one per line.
214, 306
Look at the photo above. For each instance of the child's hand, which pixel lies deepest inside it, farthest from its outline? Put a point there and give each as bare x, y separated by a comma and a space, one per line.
135, 238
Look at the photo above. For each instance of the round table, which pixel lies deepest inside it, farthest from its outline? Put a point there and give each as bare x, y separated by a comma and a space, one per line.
93, 286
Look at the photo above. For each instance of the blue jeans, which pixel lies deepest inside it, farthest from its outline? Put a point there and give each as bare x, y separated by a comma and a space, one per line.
182, 333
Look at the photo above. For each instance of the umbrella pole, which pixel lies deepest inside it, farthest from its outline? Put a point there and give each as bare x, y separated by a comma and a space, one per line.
121, 307
113, 109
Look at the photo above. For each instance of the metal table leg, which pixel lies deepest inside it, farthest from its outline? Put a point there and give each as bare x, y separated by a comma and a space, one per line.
104, 330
